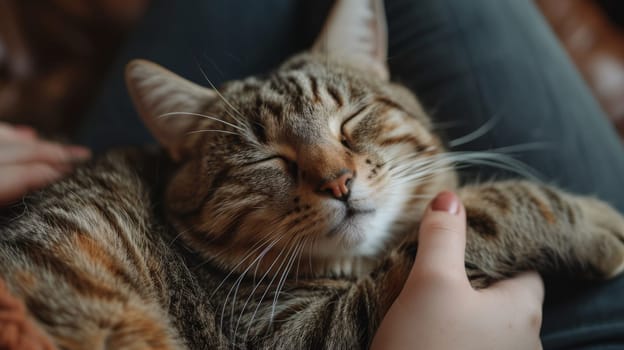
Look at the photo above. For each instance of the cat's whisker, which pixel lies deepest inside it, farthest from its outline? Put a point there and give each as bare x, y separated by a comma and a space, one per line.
209, 117
287, 269
480, 131
296, 249
238, 117
212, 130
532, 146
404, 157
253, 292
221, 96
310, 252
398, 184
257, 246
419, 170
242, 275
420, 173
522, 147
305, 241
250, 323
258, 259
420, 196
493, 159
176, 237
409, 164
288, 259
415, 165
276, 221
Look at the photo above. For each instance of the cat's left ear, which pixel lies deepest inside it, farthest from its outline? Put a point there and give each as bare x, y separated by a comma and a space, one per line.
356, 32
165, 102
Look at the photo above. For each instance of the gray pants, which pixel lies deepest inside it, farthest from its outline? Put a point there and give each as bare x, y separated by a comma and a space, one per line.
472, 62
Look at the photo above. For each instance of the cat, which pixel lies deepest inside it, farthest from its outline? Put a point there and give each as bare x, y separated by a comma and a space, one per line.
282, 213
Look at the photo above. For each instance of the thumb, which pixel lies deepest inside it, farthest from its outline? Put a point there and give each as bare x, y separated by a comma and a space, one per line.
442, 237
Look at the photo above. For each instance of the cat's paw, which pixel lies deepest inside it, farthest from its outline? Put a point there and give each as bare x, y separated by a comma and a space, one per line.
605, 252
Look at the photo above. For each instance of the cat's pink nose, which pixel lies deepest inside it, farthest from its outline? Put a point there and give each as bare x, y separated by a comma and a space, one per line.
340, 187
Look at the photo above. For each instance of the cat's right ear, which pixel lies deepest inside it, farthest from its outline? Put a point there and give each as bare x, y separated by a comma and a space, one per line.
356, 33
163, 100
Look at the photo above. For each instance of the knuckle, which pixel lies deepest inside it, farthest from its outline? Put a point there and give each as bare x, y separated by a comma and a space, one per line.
536, 322
532, 314
38, 172
439, 226
535, 317
58, 153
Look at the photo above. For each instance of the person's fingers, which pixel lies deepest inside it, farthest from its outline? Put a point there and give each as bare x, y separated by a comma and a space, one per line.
18, 179
77, 153
442, 237
41, 151
16, 132
26, 132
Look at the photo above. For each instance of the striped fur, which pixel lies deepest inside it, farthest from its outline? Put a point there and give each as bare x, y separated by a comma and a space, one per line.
282, 215
98, 267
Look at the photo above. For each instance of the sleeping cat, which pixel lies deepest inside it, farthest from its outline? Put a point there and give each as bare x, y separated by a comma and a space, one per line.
287, 213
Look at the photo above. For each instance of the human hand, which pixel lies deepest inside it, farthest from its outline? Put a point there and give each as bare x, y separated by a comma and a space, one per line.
28, 163
438, 309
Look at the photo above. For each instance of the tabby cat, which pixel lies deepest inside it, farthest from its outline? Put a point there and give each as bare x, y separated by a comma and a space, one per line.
287, 213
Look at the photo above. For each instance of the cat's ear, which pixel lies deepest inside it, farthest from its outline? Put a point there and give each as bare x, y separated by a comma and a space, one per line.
356, 32
163, 100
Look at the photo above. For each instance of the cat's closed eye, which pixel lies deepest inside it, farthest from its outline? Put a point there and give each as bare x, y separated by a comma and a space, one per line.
349, 123
290, 166
345, 141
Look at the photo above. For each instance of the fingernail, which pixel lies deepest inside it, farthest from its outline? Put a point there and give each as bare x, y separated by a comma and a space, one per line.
78, 152
446, 201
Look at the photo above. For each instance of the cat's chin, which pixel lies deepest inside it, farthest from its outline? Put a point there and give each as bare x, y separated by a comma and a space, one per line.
351, 247
361, 232
346, 267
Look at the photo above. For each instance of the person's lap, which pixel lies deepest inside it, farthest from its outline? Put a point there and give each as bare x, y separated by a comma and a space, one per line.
497, 62
471, 62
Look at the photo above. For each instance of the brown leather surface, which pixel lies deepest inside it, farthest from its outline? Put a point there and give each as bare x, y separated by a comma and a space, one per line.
597, 47
52, 55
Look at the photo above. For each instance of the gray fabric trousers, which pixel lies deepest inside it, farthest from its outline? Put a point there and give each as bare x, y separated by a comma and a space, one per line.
473, 63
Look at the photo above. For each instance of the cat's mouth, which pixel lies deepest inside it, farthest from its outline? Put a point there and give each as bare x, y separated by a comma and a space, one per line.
351, 214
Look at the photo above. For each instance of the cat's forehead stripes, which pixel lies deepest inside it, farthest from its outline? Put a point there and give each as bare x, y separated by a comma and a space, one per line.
303, 102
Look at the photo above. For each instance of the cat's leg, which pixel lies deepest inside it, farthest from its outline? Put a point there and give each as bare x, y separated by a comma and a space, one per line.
94, 323
519, 225
87, 305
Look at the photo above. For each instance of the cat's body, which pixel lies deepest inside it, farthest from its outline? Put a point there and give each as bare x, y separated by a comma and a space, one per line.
287, 220
74, 255
115, 277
